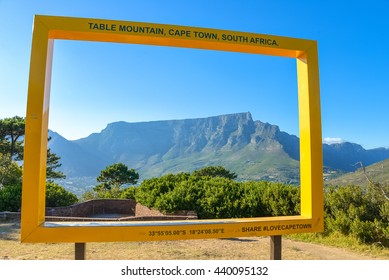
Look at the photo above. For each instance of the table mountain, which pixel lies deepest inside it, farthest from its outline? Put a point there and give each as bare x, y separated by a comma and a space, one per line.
252, 149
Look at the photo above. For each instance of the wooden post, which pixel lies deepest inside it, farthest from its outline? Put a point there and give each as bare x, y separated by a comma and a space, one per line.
79, 251
275, 247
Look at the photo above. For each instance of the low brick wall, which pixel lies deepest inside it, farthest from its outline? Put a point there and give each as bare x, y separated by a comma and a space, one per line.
95, 207
121, 219
120, 209
9, 216
101, 209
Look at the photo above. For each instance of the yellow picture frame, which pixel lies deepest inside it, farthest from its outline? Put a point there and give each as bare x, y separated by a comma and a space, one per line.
46, 29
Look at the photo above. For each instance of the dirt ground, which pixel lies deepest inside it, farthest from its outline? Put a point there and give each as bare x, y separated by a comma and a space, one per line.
254, 248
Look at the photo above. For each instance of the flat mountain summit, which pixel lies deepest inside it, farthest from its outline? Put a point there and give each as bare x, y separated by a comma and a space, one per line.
254, 150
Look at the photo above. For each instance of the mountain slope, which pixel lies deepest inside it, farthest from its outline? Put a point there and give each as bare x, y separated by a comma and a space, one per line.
156, 148
75, 159
252, 149
345, 155
378, 172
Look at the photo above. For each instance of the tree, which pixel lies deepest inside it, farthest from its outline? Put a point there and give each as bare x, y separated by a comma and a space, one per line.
52, 164
215, 171
117, 175
112, 178
11, 137
12, 131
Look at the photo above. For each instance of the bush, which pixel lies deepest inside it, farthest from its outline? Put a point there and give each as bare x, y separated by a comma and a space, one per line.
57, 196
128, 193
356, 212
152, 189
280, 200
11, 197
251, 204
221, 199
218, 197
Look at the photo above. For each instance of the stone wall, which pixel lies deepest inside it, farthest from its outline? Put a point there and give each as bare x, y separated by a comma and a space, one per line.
125, 207
105, 210
112, 210
9, 216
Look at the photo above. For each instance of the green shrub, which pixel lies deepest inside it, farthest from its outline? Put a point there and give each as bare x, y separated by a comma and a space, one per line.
57, 196
218, 197
11, 197
128, 193
357, 212
281, 200
10, 172
363, 231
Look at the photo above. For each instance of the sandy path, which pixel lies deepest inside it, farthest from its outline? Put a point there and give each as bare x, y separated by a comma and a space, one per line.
321, 252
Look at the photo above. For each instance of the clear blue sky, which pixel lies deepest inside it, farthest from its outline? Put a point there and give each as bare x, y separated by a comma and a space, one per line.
97, 83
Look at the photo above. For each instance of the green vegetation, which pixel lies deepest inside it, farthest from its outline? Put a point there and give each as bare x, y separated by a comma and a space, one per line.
355, 216
52, 164
215, 171
378, 172
11, 197
218, 197
10, 171
112, 178
56, 196
11, 137
353, 212
117, 175
11, 153
11, 150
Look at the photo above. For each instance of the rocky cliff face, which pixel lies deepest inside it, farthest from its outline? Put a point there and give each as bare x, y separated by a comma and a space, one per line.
176, 138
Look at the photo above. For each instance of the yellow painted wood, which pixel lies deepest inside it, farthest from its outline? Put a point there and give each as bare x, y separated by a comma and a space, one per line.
49, 28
